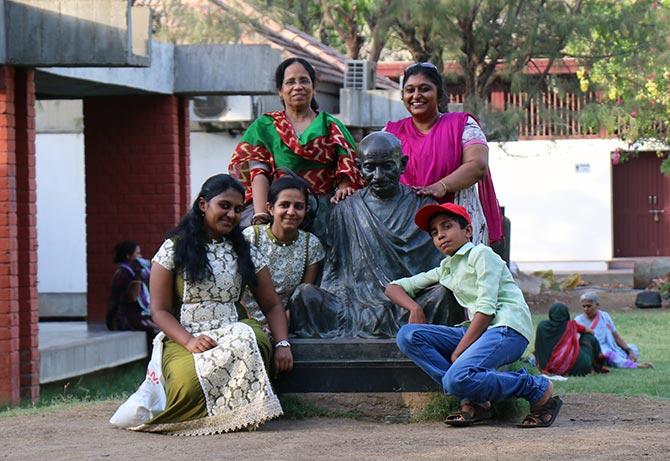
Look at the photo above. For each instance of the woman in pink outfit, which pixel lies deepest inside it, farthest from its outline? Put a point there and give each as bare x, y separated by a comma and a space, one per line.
448, 154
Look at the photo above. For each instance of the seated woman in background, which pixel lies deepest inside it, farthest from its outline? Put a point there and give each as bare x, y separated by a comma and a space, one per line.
128, 307
564, 347
214, 366
294, 255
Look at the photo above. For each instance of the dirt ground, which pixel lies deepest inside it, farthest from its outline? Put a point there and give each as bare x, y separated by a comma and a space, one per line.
590, 427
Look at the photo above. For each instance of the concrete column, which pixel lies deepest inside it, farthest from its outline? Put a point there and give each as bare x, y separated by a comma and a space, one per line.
136, 159
19, 356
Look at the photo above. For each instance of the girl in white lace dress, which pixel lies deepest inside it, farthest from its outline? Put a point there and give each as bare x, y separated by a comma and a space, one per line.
214, 374
294, 256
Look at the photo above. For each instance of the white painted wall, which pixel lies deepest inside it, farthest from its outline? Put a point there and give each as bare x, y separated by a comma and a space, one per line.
210, 155
558, 196
61, 227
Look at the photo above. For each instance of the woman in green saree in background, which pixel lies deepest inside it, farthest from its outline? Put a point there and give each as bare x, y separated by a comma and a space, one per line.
564, 347
313, 144
213, 365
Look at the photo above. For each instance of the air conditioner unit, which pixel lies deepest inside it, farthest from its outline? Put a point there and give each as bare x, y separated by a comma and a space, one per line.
221, 109
360, 75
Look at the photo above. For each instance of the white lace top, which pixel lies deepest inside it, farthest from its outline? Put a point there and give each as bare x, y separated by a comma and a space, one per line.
210, 303
287, 263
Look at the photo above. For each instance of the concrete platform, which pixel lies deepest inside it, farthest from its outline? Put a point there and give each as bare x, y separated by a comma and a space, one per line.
70, 349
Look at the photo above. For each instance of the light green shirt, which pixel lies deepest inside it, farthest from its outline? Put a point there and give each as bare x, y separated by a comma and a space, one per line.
480, 282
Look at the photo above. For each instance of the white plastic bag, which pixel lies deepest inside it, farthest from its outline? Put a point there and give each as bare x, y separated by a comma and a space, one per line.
149, 400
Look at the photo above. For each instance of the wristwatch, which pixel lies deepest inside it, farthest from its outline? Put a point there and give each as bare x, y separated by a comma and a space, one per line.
282, 343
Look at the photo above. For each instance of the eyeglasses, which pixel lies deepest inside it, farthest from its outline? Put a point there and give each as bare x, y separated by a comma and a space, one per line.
425, 65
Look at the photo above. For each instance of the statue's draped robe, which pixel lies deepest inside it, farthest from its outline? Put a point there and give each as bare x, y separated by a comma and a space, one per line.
370, 242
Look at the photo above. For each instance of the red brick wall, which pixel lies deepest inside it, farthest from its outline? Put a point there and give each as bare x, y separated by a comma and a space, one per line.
137, 186
29, 311
19, 355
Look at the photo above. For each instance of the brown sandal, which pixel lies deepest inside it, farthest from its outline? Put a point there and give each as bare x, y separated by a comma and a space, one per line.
463, 418
542, 416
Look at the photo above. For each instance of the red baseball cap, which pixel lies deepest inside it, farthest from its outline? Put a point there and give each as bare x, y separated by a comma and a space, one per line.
425, 214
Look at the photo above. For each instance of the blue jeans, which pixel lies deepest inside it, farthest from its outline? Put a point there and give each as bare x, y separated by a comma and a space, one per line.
473, 376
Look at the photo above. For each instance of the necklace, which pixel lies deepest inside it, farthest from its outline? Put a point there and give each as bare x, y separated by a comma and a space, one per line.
278, 242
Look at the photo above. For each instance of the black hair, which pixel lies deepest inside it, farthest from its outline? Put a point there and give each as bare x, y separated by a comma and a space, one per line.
288, 181
191, 240
123, 249
462, 222
431, 72
281, 70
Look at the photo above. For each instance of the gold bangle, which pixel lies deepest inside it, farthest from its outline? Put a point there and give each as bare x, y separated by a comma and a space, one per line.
444, 186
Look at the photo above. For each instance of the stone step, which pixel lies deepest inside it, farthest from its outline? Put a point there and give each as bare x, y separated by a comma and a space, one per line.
70, 349
352, 365
611, 277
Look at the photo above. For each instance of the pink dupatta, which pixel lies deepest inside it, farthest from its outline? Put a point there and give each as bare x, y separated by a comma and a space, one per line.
438, 153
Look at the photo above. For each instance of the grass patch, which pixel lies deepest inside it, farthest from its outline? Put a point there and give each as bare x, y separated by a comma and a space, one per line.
110, 384
512, 409
649, 330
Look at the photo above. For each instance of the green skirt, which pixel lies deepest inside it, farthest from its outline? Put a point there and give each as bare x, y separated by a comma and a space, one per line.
185, 398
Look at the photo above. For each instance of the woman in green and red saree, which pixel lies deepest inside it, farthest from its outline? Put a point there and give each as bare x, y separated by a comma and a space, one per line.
564, 347
313, 144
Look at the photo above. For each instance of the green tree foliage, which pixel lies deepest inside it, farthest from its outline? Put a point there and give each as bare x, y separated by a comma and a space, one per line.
180, 23
622, 46
480, 35
633, 76
359, 28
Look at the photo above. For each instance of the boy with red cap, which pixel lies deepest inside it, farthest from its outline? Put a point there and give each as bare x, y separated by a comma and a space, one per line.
465, 359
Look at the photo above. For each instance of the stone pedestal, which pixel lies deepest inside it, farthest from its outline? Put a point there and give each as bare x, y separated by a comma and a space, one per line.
352, 365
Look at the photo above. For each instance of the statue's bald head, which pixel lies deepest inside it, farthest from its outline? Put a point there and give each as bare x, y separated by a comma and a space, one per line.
382, 163
381, 142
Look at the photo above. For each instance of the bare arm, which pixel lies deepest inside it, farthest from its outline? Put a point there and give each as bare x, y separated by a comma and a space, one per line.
473, 168
133, 291
400, 297
311, 273
161, 285
623, 345
479, 324
260, 186
270, 304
